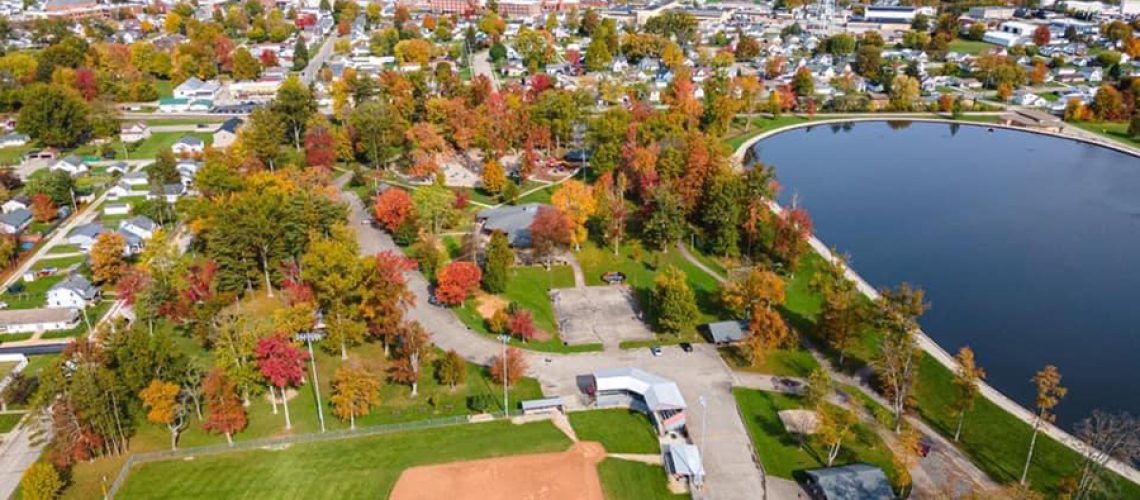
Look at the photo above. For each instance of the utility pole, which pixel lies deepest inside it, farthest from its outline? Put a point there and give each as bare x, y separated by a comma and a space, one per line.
309, 337
506, 404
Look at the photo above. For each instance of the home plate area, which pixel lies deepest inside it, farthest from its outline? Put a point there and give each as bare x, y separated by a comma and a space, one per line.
568, 475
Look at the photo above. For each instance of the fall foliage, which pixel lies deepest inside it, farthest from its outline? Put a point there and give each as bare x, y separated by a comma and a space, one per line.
107, 264
516, 366
456, 281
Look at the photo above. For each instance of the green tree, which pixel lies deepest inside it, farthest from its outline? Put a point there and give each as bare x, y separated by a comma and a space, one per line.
261, 136
897, 362
434, 205
497, 263
666, 224
246, 67
904, 93
300, 54
802, 83
722, 213
164, 170
57, 184
378, 130
332, 267
294, 106
54, 115
598, 56
452, 370
428, 255
674, 301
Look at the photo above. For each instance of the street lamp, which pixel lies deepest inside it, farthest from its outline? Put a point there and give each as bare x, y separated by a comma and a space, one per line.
308, 338
505, 339
704, 424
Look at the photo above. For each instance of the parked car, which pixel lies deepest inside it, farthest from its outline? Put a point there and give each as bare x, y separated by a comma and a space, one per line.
656, 350
925, 446
687, 347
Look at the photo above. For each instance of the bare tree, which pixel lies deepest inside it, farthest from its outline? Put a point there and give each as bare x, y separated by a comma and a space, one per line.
1108, 435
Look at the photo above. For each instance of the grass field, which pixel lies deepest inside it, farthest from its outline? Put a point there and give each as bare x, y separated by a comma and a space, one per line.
619, 430
59, 263
962, 46
625, 480
796, 362
64, 249
34, 293
12, 155
94, 314
365, 467
1111, 130
8, 421
782, 453
165, 88
149, 148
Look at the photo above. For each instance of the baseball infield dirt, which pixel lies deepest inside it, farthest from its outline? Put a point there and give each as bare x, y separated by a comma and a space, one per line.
569, 475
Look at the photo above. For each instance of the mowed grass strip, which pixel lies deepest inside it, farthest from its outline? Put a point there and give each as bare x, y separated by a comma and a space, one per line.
365, 467
619, 430
625, 480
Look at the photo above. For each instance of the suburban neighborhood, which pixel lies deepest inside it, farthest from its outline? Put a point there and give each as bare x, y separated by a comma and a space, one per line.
534, 249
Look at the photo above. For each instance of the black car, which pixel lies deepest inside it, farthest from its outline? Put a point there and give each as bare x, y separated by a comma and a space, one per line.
687, 347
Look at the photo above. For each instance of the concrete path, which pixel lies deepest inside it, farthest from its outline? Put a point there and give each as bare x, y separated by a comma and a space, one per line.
481, 65
696, 262
579, 276
21, 448
729, 457
644, 458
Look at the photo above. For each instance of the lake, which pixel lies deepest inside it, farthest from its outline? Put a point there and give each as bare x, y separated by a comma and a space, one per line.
1028, 246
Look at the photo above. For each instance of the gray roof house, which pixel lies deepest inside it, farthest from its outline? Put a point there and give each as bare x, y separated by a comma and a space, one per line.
85, 235
515, 221
726, 332
850, 482
75, 291
15, 221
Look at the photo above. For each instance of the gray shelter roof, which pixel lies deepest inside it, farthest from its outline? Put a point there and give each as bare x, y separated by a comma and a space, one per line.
542, 403
726, 331
15, 317
850, 482
659, 393
514, 221
684, 459
190, 140
91, 230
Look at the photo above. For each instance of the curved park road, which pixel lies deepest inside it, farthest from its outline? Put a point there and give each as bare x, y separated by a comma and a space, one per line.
732, 471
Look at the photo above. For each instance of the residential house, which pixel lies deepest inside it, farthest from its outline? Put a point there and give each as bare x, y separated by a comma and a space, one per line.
19, 202
226, 133
119, 168
188, 145
169, 192
513, 220
75, 291
140, 226
116, 209
71, 164
14, 140
187, 170
84, 236
135, 180
134, 132
38, 320
194, 88
16, 221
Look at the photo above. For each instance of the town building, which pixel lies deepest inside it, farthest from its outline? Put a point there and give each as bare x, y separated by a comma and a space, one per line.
227, 133
636, 389
513, 220
38, 320
75, 291
855, 481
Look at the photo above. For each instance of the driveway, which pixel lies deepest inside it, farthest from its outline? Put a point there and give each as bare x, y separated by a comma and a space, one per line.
717, 429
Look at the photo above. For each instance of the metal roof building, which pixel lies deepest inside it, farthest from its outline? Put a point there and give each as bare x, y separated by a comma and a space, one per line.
850, 482
658, 397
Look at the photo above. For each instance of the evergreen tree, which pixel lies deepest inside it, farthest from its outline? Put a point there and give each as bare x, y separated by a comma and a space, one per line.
722, 213
497, 264
164, 170
300, 54
674, 301
666, 224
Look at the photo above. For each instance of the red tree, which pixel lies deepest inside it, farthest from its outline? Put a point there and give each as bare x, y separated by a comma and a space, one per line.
43, 208
283, 365
268, 58
549, 231
128, 288
521, 324
1042, 36
200, 282
226, 414
295, 289
455, 281
392, 208
791, 231
320, 147
573, 57
86, 83
515, 367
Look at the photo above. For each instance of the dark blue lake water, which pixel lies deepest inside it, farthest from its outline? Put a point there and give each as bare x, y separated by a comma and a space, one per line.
1028, 246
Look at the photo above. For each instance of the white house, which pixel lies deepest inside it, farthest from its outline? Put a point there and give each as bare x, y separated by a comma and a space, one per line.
13, 140
116, 209
135, 180
169, 192
226, 133
72, 165
19, 202
140, 226
16, 221
188, 145
134, 132
85, 235
38, 320
75, 291
194, 88
187, 170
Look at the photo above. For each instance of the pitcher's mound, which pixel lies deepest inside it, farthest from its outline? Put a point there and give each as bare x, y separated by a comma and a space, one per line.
569, 475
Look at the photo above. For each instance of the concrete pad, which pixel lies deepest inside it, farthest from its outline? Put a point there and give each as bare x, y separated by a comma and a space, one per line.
606, 314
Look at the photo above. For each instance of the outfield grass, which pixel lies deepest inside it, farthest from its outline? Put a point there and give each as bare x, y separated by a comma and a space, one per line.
962, 46
625, 480
618, 430
782, 453
365, 467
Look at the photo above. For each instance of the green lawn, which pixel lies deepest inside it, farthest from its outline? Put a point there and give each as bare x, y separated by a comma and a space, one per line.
8, 421
64, 249
37, 363
60, 263
619, 430
762, 124
996, 440
796, 362
782, 453
149, 148
13, 155
625, 480
1111, 130
365, 467
963, 46
165, 88
34, 293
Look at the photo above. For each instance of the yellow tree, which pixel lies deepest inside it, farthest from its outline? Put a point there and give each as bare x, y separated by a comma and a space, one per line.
966, 385
760, 288
107, 264
494, 179
836, 425
355, 392
1049, 393
576, 200
164, 408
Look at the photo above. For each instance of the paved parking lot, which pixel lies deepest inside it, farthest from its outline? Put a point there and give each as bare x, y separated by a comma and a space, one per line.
593, 314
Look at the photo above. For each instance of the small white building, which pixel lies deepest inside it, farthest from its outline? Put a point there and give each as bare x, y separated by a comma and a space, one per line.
140, 226
134, 132
14, 140
16, 221
72, 164
188, 145
194, 88
116, 209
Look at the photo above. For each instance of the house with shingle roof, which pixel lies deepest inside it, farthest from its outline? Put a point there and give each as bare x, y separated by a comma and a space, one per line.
75, 291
